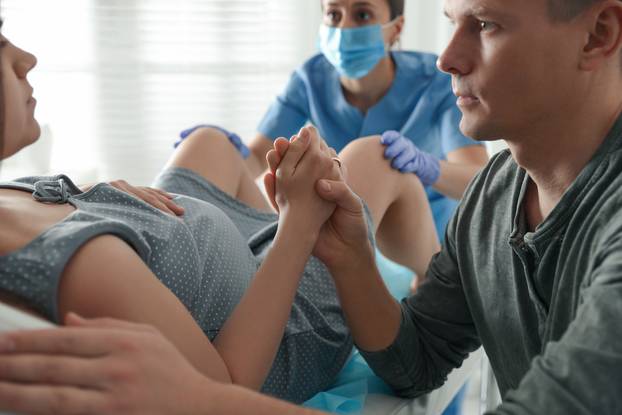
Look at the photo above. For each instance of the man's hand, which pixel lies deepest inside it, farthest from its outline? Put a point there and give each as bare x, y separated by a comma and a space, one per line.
344, 237
157, 198
95, 367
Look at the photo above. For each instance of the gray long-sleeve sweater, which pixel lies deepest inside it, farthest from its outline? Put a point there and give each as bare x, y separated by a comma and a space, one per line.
546, 305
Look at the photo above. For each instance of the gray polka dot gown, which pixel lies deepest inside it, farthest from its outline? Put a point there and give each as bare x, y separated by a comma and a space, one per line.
206, 258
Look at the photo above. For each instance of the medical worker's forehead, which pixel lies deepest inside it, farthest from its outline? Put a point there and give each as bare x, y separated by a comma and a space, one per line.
355, 3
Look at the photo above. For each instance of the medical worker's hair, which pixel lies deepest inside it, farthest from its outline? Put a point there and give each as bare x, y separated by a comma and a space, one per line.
397, 8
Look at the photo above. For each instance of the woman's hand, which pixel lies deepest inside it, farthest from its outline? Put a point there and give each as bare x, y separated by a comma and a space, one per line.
294, 173
97, 367
157, 198
344, 235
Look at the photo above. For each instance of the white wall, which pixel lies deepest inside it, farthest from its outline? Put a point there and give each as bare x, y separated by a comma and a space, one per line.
426, 27
104, 103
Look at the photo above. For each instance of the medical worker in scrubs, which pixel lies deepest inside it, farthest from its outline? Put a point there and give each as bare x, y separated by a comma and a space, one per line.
358, 87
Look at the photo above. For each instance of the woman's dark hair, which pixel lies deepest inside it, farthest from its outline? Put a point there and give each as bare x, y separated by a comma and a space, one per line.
397, 8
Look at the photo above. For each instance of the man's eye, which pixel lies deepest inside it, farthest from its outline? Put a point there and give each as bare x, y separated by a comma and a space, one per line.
486, 26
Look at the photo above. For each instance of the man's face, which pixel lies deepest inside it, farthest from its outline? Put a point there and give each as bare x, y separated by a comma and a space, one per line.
512, 68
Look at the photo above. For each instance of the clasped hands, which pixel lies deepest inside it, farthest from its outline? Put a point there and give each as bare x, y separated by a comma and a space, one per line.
306, 183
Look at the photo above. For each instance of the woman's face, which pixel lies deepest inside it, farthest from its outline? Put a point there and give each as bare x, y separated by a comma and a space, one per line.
355, 13
20, 127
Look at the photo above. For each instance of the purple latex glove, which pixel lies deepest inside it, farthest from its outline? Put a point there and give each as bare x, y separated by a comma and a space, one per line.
233, 138
407, 158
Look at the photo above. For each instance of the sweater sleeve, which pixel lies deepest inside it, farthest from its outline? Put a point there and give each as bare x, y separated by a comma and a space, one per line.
436, 333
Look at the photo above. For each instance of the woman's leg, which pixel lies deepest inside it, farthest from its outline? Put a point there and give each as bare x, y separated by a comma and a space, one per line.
209, 153
399, 206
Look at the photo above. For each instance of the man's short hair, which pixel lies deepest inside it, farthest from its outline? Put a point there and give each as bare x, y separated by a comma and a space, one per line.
563, 10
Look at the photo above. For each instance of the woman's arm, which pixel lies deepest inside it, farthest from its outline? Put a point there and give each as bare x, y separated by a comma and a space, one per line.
106, 278
458, 170
262, 314
250, 338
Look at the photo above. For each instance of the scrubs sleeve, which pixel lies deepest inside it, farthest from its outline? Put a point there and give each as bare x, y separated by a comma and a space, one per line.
436, 333
582, 372
452, 138
288, 113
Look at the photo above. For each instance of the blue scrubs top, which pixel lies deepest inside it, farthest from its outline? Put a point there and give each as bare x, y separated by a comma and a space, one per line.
419, 104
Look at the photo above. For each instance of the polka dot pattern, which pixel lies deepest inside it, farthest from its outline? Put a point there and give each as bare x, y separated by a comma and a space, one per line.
207, 258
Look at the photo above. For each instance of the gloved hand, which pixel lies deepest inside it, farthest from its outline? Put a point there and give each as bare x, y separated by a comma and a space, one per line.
407, 158
233, 138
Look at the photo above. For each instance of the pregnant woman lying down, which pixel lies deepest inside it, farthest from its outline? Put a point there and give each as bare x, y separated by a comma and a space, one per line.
236, 283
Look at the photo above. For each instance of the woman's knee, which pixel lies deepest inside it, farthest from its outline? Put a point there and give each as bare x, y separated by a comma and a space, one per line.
208, 144
366, 156
210, 139
367, 147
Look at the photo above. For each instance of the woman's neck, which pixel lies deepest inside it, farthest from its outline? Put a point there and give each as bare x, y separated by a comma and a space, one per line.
365, 92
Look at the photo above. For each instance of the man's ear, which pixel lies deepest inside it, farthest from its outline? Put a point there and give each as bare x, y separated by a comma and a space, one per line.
604, 34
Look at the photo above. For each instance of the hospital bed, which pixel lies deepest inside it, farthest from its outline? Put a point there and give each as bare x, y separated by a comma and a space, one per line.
431, 404
375, 404
12, 320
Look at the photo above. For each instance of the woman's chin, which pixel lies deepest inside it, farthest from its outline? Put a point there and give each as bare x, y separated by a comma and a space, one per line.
36, 133
13, 147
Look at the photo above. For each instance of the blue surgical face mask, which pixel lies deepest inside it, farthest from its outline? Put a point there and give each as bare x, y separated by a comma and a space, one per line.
354, 52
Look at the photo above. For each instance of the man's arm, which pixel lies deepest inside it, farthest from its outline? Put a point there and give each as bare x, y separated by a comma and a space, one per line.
412, 347
372, 314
